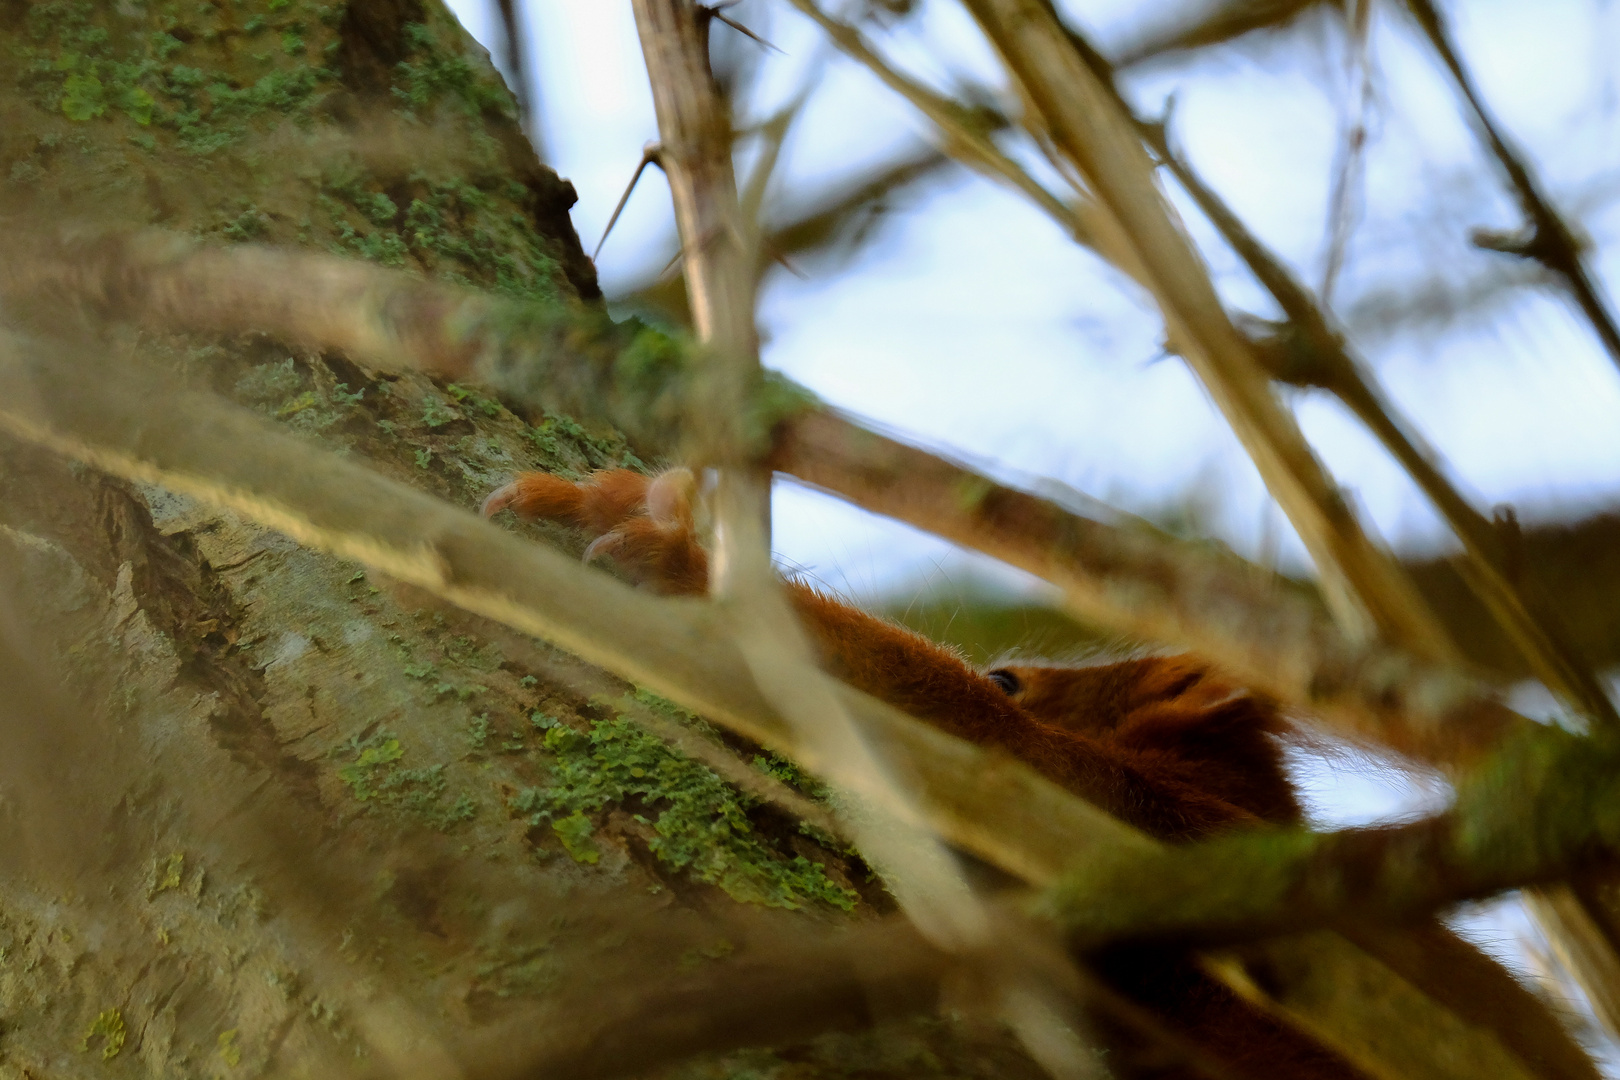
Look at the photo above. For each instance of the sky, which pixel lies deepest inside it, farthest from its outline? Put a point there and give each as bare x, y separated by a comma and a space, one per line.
969, 322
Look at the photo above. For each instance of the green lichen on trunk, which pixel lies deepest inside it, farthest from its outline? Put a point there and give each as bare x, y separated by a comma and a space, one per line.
319, 797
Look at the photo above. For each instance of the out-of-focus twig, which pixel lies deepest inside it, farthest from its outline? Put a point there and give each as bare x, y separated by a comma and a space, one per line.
1075, 107
1209, 25
1547, 238
965, 131
1546, 803
1132, 580
1309, 351
517, 62
812, 228
1345, 197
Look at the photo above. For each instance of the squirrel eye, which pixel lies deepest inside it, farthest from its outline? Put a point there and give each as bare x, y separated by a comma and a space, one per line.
1010, 684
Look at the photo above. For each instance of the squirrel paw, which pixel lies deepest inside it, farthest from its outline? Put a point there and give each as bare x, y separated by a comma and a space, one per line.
643, 523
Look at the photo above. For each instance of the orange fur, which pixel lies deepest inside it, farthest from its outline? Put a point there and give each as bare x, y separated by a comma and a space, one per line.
1160, 742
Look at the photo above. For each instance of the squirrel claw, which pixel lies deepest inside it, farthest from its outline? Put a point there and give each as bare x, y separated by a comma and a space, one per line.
602, 545
498, 500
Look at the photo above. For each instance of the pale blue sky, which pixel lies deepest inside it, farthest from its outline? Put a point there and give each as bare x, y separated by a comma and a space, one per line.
972, 323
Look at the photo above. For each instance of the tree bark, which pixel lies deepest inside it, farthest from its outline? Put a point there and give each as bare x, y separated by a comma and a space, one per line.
266, 812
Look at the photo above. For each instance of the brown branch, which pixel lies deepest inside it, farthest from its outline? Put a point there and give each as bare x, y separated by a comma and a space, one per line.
1078, 111
1128, 578
1268, 632
1229, 20
1311, 352
1548, 239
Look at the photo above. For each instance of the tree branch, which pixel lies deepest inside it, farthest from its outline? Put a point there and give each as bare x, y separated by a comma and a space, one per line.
1129, 578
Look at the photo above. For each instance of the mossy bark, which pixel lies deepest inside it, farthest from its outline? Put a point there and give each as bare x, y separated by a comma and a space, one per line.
269, 813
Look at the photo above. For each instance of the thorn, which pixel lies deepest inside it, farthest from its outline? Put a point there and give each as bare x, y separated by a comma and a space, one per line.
717, 11
782, 260
651, 154
673, 259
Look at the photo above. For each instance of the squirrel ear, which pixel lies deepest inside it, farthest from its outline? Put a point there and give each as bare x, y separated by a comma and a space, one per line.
1010, 684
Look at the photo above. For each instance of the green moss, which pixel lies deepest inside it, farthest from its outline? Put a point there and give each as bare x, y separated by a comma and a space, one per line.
83, 97
463, 233
487, 406
565, 444
109, 1029
701, 822
74, 65
251, 224
376, 776
229, 1052
432, 75
575, 833
165, 874
478, 733
436, 413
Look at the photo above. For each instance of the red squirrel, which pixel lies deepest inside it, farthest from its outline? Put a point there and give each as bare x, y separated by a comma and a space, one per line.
1160, 742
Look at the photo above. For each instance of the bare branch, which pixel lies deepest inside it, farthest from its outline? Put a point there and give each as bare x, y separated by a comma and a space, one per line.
1311, 352
1077, 108
1548, 238
1133, 580
1215, 24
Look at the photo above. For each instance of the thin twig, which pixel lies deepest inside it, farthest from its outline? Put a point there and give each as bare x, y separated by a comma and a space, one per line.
1130, 578
1343, 200
1311, 352
649, 156
1549, 239
718, 11
965, 131
1074, 105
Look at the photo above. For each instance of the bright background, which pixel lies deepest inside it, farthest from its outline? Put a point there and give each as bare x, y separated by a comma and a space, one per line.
968, 321
971, 322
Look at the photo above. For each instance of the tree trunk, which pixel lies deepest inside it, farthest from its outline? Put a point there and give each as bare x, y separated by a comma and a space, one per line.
264, 811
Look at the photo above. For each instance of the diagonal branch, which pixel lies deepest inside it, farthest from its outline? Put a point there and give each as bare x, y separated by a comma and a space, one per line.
1311, 352
1129, 578
1549, 240
136, 424
1078, 110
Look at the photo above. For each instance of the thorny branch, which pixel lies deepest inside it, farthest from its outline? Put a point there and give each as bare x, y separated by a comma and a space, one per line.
920, 872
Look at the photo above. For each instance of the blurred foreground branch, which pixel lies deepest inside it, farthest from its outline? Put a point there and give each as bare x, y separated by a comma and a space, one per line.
1133, 580
128, 421
1544, 802
1546, 238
